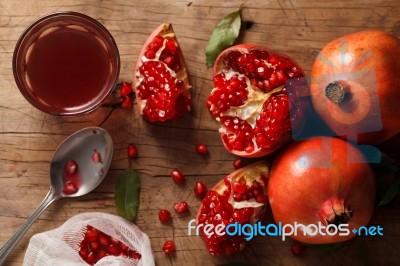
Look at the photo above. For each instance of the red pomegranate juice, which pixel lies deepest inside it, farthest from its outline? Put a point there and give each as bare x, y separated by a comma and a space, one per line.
67, 68
66, 63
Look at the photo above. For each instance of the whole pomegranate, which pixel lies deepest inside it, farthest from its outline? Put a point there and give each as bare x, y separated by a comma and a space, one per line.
250, 99
355, 86
313, 182
161, 80
238, 198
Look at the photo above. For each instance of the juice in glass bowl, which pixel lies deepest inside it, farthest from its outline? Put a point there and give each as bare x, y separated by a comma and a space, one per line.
66, 63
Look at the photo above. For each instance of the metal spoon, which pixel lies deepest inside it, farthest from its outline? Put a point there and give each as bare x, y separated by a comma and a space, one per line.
79, 147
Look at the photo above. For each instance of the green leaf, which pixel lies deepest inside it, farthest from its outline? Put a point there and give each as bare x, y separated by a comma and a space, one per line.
223, 36
391, 193
127, 194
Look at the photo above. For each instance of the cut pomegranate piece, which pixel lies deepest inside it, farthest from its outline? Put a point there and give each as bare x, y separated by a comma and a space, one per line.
95, 245
234, 200
250, 99
161, 80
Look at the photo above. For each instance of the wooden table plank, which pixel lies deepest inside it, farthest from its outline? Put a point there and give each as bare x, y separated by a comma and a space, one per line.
29, 137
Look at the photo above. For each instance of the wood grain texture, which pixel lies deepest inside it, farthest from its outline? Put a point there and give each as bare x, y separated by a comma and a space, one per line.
29, 137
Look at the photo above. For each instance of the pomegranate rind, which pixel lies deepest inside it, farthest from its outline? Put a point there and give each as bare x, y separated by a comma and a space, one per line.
259, 172
258, 98
165, 30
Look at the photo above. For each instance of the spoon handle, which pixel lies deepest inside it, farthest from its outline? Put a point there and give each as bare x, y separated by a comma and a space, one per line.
9, 246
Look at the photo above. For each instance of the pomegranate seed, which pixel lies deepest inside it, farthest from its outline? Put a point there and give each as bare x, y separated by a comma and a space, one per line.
91, 258
84, 252
91, 234
113, 250
114, 241
123, 247
168, 247
127, 103
238, 163
134, 255
202, 149
71, 167
132, 151
181, 207
200, 189
126, 89
177, 176
103, 240
238, 197
239, 187
171, 46
101, 254
261, 198
70, 188
150, 54
164, 216
96, 157
94, 246
297, 249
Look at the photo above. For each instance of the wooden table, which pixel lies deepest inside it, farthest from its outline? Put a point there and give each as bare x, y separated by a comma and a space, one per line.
28, 137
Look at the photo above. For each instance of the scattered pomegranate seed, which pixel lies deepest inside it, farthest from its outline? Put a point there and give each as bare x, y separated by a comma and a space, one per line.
181, 206
202, 149
132, 151
96, 157
70, 188
71, 167
200, 189
177, 176
238, 163
164, 216
126, 89
127, 103
297, 249
168, 247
